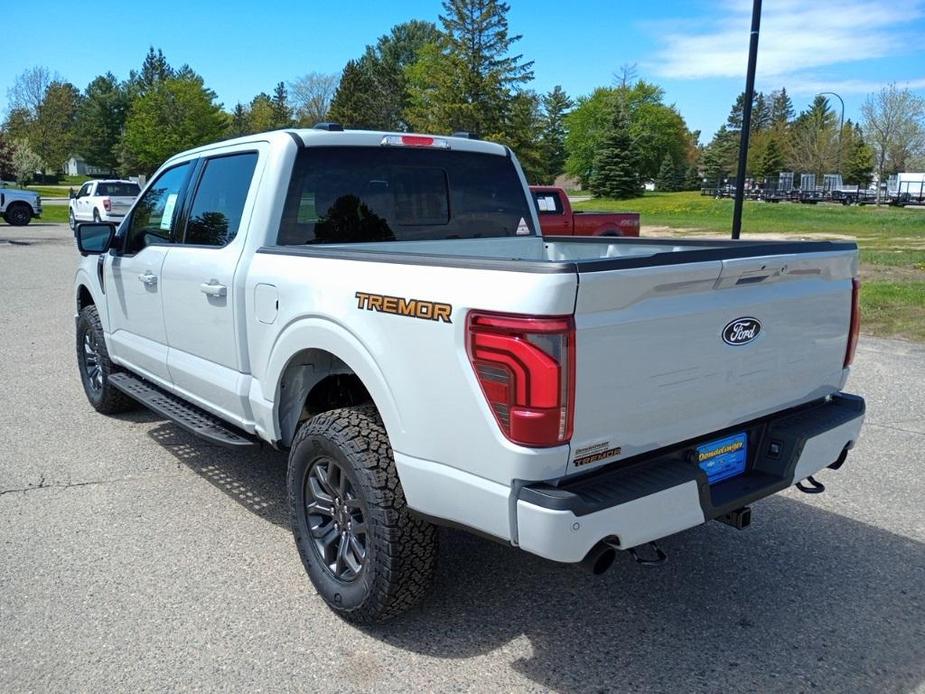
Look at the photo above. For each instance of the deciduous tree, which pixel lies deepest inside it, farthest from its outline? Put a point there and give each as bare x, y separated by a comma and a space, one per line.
175, 115
894, 126
100, 121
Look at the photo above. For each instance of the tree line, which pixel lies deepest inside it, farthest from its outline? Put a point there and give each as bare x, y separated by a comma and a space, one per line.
460, 74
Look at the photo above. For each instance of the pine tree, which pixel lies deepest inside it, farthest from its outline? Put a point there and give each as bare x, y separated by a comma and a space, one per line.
354, 104
239, 124
154, 70
616, 166
781, 107
771, 160
471, 84
555, 107
666, 181
282, 113
692, 179
857, 157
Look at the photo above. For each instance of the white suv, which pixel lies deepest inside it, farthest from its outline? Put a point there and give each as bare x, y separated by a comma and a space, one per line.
102, 201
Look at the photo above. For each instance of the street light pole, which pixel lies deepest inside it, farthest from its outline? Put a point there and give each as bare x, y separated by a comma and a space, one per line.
746, 119
841, 123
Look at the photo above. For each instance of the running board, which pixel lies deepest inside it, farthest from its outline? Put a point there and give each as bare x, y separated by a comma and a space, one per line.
195, 420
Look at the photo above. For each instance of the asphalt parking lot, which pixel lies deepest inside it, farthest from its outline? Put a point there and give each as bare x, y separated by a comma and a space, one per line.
133, 556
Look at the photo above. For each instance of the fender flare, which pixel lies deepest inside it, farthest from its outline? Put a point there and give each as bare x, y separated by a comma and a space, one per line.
315, 332
82, 278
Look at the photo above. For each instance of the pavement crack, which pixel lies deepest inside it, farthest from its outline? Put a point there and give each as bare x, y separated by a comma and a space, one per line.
65, 485
893, 428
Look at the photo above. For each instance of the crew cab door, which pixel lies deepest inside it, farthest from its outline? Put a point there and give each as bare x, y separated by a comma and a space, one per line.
203, 304
553, 219
81, 208
133, 279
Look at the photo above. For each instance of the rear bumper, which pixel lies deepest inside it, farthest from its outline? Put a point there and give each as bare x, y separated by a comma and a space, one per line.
662, 493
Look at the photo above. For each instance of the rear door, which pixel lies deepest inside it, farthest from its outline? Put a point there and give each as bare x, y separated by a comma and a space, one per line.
669, 353
201, 295
133, 278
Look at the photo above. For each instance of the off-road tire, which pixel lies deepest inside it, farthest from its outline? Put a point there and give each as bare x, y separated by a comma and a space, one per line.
106, 399
19, 214
401, 550
96, 216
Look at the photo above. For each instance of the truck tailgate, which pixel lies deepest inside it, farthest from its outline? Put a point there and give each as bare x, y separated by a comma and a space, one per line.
653, 366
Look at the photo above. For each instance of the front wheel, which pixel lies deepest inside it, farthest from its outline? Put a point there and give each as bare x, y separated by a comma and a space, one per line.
366, 555
94, 366
71, 220
18, 214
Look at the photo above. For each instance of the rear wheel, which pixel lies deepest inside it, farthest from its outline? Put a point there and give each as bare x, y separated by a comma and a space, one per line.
19, 214
96, 216
95, 367
611, 232
366, 555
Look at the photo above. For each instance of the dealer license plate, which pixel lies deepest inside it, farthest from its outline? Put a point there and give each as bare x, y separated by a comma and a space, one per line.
723, 458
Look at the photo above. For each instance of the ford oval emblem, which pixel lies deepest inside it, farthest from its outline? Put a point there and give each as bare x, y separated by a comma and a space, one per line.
741, 331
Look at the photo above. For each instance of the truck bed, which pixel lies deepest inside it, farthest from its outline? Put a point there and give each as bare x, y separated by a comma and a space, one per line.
652, 365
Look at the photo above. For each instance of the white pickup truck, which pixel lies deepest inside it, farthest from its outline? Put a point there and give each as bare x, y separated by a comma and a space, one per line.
18, 207
383, 307
102, 201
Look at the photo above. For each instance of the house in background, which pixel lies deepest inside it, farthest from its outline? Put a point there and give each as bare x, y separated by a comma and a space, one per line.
76, 166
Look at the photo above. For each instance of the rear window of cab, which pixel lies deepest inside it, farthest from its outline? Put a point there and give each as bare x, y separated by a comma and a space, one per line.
364, 194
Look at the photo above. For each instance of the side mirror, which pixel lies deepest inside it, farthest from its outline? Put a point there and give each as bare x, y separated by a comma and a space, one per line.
94, 239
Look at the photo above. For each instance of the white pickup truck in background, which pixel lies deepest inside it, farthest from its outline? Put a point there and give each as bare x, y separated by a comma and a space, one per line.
102, 201
383, 307
19, 207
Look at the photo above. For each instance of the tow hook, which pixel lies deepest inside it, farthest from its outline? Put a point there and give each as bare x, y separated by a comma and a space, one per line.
659, 558
814, 487
739, 519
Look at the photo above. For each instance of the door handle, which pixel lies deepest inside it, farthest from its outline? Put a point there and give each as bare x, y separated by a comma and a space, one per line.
213, 288
148, 279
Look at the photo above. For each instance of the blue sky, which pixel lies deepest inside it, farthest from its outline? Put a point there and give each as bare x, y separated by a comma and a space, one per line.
695, 49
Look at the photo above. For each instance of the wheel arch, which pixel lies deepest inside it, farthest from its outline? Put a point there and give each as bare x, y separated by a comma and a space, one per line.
318, 365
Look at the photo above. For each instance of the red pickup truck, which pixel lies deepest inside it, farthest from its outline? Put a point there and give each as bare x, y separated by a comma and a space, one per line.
557, 218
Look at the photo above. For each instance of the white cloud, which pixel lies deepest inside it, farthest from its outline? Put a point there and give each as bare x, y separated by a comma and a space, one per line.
811, 85
796, 36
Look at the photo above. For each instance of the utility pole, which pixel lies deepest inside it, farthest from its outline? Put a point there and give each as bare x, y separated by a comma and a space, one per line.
841, 123
746, 119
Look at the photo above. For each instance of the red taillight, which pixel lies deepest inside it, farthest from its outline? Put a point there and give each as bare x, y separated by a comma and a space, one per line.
526, 367
107, 204
855, 327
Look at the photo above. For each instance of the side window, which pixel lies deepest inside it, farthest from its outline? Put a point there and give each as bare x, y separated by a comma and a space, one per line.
547, 203
218, 204
84, 190
155, 215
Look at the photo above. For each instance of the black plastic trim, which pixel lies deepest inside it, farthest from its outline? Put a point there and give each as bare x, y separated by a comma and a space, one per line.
668, 467
299, 142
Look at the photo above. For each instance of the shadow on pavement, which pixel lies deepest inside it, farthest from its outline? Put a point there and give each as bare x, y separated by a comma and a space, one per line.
804, 599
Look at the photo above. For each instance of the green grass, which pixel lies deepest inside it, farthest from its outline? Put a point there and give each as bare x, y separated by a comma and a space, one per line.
894, 308
52, 191
54, 213
695, 211
891, 242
